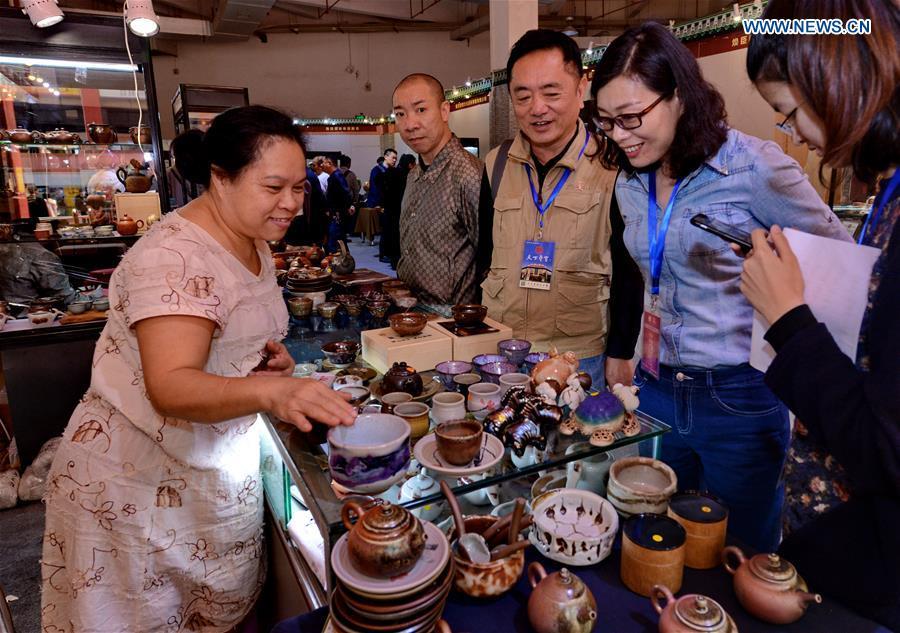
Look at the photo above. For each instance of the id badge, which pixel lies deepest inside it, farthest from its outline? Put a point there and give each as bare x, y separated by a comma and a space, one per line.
650, 339
537, 265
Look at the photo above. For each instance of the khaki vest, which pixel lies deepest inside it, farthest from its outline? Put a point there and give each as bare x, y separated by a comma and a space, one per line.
573, 314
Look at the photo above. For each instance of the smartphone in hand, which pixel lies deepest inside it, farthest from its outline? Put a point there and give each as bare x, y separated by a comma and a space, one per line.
725, 231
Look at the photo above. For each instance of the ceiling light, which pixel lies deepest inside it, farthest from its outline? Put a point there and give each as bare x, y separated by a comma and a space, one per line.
141, 18
468, 83
31, 77
64, 63
590, 48
46, 84
42, 13
736, 12
55, 93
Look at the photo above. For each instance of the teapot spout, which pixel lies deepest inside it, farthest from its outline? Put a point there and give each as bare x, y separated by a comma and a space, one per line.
805, 598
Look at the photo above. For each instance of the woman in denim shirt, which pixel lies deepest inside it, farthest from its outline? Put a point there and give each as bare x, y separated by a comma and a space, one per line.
669, 135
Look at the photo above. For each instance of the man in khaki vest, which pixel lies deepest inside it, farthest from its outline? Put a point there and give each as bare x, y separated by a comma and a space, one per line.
556, 244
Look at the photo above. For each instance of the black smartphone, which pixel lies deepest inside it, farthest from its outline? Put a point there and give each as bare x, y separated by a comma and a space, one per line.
725, 231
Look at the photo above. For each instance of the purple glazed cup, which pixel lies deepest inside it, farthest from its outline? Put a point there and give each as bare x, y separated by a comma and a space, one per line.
515, 350
533, 359
450, 368
484, 359
493, 371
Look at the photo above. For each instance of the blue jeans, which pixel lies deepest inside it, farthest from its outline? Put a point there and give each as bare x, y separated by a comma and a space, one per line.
729, 436
594, 367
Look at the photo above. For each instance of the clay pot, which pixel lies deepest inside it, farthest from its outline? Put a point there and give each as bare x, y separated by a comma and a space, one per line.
768, 586
21, 135
127, 226
141, 134
458, 441
101, 133
402, 377
386, 541
483, 580
560, 602
690, 613
469, 314
343, 263
96, 200
62, 136
408, 323
135, 181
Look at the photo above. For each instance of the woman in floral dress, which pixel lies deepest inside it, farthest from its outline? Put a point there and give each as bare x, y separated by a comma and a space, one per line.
154, 502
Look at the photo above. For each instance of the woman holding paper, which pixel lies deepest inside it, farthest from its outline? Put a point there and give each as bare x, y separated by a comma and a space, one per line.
849, 407
668, 134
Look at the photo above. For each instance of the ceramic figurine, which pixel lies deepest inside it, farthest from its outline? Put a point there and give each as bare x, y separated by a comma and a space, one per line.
558, 367
546, 391
573, 395
627, 395
522, 434
602, 415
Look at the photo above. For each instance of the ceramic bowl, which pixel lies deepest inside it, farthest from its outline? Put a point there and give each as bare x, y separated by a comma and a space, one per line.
533, 359
493, 371
101, 304
391, 400
79, 307
458, 441
378, 308
406, 303
371, 295
484, 359
574, 527
484, 580
449, 368
551, 481
300, 306
342, 299
370, 456
353, 307
469, 314
462, 382
515, 350
328, 309
358, 394
639, 485
408, 323
341, 353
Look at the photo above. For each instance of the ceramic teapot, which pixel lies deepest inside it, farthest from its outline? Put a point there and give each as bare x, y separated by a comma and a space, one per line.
422, 486
558, 367
101, 133
402, 377
127, 226
559, 602
343, 264
62, 136
690, 613
768, 586
21, 135
136, 180
386, 540
139, 134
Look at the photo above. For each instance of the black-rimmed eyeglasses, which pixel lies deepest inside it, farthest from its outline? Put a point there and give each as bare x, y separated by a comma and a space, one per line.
785, 126
628, 121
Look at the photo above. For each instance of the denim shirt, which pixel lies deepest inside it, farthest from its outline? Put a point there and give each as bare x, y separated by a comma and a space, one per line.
749, 183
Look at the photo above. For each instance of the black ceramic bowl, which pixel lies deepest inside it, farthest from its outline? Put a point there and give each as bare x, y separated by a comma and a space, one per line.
341, 352
469, 314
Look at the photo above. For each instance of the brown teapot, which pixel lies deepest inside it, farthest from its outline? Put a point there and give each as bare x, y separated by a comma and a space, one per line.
140, 134
402, 377
136, 180
128, 226
21, 135
690, 613
343, 264
768, 586
560, 602
386, 541
62, 136
101, 133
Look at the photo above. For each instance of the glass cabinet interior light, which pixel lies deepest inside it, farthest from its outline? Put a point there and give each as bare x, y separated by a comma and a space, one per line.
64, 63
42, 13
141, 18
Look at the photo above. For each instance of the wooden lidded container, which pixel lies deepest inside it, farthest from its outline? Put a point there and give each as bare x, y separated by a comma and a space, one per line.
652, 553
705, 519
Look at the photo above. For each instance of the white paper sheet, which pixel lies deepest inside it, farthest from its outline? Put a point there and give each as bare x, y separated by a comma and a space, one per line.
836, 275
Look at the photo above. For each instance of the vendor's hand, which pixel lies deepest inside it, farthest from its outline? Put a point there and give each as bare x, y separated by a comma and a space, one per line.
618, 370
771, 279
278, 361
352, 210
301, 400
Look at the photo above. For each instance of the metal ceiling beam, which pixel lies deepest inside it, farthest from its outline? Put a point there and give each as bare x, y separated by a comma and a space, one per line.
240, 18
422, 8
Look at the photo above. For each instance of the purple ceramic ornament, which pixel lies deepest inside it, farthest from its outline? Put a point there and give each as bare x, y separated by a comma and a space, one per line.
603, 411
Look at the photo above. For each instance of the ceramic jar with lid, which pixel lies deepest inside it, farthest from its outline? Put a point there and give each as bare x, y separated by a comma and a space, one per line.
690, 613
386, 540
652, 553
402, 377
560, 602
768, 586
705, 519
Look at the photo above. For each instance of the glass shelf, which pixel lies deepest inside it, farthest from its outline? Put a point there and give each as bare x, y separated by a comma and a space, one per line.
70, 146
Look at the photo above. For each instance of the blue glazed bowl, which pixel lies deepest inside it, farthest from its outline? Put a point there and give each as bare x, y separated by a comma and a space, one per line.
533, 359
515, 350
492, 371
370, 456
484, 359
450, 368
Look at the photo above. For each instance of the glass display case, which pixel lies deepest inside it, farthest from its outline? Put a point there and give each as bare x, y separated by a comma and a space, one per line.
195, 106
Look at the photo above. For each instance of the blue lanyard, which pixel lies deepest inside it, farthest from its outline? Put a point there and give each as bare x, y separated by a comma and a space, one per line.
875, 213
535, 195
656, 238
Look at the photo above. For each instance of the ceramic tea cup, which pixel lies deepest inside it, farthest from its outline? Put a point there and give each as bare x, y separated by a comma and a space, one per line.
463, 382
448, 405
588, 473
370, 456
300, 306
493, 371
515, 350
449, 369
483, 398
79, 307
551, 481
639, 485
458, 441
508, 381
358, 394
101, 304
416, 415
391, 400
43, 317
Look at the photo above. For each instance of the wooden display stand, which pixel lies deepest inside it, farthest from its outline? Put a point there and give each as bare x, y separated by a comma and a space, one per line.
384, 347
467, 347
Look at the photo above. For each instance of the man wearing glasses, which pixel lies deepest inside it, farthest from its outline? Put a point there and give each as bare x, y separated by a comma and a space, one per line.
560, 275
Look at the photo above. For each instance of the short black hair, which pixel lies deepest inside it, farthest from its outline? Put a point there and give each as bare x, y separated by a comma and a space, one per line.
234, 140
390, 150
379, 160
650, 54
543, 40
437, 88
344, 160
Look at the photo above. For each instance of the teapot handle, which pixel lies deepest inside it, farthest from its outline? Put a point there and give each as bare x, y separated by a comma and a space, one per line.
140, 223
343, 248
536, 573
351, 506
657, 593
731, 549
121, 174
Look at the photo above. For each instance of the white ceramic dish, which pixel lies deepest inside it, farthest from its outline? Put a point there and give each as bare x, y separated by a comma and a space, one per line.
434, 558
574, 527
426, 452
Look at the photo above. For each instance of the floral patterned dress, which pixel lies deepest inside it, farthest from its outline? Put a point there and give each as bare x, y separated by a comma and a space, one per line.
155, 523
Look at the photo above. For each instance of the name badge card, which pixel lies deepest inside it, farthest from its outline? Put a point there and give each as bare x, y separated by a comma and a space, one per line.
537, 265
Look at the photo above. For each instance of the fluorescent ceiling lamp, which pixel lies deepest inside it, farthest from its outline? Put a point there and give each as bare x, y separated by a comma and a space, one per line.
65, 63
141, 18
570, 31
42, 13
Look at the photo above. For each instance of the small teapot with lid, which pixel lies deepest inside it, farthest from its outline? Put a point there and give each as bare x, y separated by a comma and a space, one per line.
559, 602
690, 613
127, 226
422, 486
768, 586
402, 377
386, 540
137, 179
